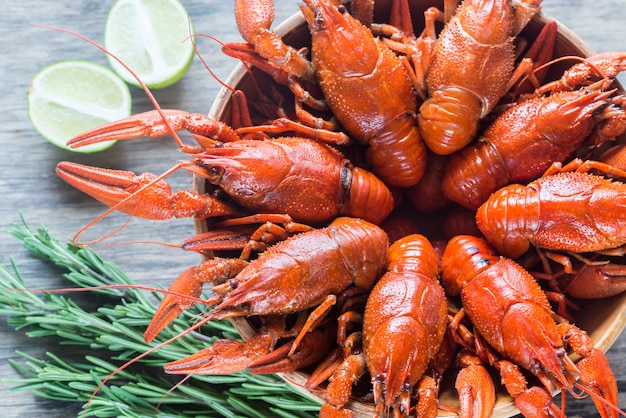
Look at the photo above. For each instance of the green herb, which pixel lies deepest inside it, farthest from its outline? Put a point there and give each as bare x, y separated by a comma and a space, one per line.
112, 335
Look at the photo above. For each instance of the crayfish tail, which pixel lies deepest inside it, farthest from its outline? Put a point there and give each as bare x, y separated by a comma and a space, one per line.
448, 120
398, 156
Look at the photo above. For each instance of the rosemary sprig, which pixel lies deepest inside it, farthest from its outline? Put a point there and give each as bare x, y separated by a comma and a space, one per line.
113, 334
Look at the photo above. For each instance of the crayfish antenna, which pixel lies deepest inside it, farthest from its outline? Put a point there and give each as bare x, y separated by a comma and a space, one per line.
240, 116
606, 408
145, 88
136, 359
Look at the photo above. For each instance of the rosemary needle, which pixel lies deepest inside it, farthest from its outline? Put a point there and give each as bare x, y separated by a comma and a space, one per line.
113, 334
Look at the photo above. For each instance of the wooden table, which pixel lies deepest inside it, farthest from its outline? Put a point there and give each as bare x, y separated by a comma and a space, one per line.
28, 183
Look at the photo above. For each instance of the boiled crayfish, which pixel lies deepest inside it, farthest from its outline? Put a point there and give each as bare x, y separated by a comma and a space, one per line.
307, 270
510, 311
567, 209
404, 324
523, 141
311, 182
321, 264
464, 87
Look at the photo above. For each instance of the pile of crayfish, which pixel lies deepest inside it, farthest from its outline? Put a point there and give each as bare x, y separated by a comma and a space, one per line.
399, 208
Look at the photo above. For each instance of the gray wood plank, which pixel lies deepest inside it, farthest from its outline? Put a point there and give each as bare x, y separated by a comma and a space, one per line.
28, 183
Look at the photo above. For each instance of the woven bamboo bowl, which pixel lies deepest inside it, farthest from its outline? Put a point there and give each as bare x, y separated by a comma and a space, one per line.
603, 321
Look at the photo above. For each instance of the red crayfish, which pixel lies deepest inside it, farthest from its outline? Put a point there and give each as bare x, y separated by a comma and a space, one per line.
310, 181
471, 68
305, 271
404, 324
510, 311
565, 210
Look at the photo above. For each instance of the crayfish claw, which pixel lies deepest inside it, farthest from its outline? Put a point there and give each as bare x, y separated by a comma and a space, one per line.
535, 401
139, 195
145, 195
174, 303
186, 289
331, 411
257, 355
154, 124
224, 357
315, 345
596, 377
475, 386
149, 124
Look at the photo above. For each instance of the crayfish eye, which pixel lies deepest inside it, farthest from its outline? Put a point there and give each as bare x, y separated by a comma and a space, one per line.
341, 9
535, 368
213, 173
245, 307
319, 21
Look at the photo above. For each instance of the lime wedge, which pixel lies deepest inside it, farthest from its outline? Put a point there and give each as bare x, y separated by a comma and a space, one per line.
150, 37
70, 97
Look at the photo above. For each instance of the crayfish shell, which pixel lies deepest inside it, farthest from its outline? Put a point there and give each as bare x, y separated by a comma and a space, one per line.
603, 322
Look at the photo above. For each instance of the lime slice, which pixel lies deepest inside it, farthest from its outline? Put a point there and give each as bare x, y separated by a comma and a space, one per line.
70, 97
150, 37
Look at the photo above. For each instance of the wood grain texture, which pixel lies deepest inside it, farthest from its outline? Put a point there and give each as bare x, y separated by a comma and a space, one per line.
28, 183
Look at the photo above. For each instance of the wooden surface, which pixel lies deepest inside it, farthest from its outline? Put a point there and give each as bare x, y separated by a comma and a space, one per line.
28, 183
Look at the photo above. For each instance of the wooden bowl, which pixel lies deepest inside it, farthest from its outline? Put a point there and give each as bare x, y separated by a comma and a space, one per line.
604, 320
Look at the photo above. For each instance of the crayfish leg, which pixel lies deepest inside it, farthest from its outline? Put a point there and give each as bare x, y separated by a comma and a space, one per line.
323, 133
313, 320
532, 64
340, 387
477, 393
274, 228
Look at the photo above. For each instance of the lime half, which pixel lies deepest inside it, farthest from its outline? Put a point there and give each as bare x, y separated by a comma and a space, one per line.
70, 97
151, 38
